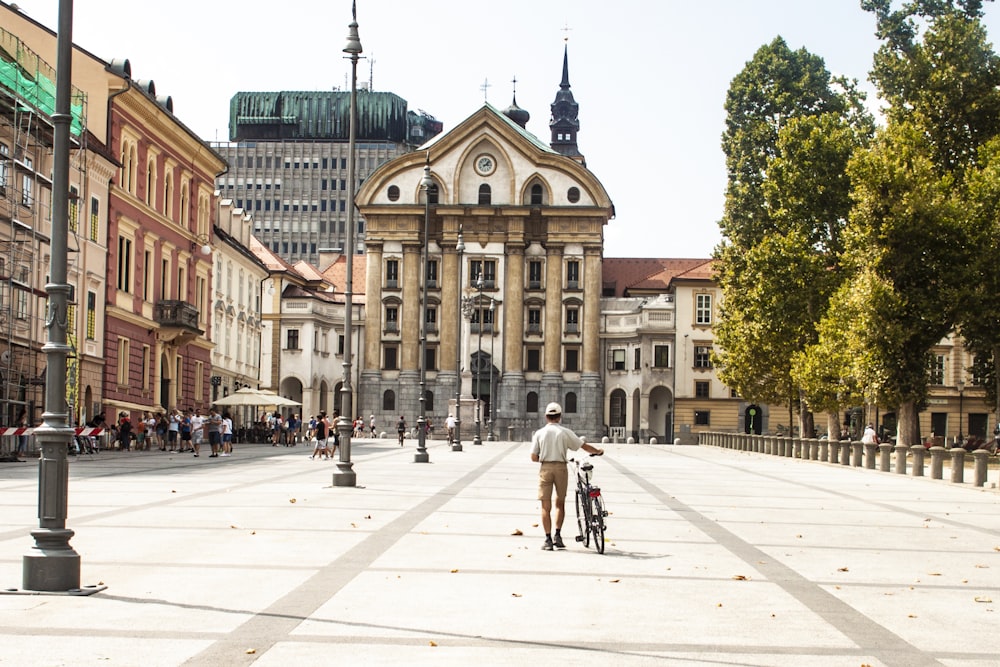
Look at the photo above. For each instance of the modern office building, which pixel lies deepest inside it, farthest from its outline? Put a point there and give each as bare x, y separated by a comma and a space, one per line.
287, 155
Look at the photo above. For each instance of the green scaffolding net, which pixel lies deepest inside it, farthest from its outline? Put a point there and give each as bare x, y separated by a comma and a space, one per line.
30, 79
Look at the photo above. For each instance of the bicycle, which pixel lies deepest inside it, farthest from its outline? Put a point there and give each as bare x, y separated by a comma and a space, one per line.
590, 510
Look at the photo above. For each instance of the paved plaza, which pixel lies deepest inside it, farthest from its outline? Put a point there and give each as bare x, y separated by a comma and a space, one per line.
714, 557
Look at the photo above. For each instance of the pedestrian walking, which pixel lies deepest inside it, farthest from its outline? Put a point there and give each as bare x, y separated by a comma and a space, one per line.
401, 429
322, 433
214, 428
549, 445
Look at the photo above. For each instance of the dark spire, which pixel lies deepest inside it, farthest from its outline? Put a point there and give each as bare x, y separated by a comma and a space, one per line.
565, 121
516, 113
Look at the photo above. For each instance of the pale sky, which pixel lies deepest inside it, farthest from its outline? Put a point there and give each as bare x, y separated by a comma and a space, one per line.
650, 76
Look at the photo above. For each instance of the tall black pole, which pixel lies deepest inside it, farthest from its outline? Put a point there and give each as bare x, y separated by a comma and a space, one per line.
477, 440
53, 565
493, 334
345, 475
421, 454
456, 445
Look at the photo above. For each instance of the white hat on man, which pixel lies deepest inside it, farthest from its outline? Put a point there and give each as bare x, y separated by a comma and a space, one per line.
553, 409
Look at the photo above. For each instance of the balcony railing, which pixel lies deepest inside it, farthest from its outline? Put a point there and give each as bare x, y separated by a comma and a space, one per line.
176, 314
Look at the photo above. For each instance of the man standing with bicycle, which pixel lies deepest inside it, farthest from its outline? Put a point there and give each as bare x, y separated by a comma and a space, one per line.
549, 445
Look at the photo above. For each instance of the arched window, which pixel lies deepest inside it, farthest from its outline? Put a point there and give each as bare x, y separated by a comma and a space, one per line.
393, 193
389, 401
531, 403
150, 183
428, 402
536, 195
432, 193
570, 403
485, 195
168, 196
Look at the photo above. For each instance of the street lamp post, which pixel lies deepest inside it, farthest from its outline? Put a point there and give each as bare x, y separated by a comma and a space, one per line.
421, 454
53, 565
961, 394
345, 475
477, 440
493, 334
456, 445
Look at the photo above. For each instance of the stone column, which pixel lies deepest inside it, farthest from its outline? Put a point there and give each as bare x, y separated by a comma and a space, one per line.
835, 451
901, 451
592, 310
373, 306
870, 451
513, 330
918, 452
448, 310
982, 458
824, 450
845, 454
957, 465
409, 319
857, 450
884, 456
553, 310
937, 461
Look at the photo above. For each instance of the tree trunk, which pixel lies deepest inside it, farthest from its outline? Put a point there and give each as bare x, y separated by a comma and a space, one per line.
807, 423
908, 424
833, 426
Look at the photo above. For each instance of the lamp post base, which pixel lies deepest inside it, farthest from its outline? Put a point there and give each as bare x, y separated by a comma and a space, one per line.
345, 475
53, 565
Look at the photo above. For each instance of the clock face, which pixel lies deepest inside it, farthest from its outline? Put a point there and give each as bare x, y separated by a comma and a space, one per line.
485, 164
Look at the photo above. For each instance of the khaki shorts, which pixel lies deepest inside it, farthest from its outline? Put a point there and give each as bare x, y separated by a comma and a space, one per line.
552, 473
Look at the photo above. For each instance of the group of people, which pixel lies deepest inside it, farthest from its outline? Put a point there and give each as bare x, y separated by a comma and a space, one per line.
359, 427
322, 431
284, 431
174, 431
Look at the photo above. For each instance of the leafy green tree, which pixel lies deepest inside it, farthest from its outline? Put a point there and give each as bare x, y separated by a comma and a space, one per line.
906, 247
791, 129
943, 80
980, 313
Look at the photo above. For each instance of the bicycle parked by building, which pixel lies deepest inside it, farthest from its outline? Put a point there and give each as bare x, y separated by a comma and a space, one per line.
590, 511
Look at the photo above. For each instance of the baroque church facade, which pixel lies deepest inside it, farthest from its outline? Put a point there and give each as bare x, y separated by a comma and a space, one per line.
512, 276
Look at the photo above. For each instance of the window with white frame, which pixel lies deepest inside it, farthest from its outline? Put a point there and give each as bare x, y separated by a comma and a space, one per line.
703, 309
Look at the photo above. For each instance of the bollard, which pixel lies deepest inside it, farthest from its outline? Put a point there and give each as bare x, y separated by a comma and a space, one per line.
835, 451
824, 449
957, 465
884, 452
857, 451
813, 449
937, 461
796, 448
870, 449
901, 451
918, 460
982, 461
845, 453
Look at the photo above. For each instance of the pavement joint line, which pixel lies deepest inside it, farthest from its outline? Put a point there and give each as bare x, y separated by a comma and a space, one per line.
83, 520
262, 630
874, 503
866, 634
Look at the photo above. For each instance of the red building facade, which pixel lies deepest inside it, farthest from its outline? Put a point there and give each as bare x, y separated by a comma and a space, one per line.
159, 270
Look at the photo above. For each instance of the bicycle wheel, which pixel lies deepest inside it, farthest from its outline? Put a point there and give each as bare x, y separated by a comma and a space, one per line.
597, 524
582, 519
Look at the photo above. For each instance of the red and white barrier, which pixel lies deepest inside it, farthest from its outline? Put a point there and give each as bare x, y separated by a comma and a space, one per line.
28, 430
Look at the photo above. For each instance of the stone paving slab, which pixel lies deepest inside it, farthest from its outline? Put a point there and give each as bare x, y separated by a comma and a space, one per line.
714, 557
